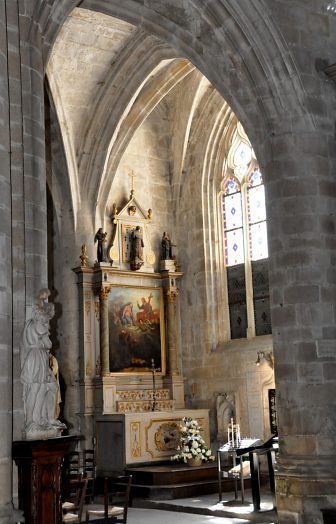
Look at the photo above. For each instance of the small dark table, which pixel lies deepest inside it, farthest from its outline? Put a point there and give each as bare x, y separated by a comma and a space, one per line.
269, 449
236, 454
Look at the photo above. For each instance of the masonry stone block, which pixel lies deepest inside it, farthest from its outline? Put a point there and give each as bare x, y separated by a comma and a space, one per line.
284, 315
310, 373
298, 294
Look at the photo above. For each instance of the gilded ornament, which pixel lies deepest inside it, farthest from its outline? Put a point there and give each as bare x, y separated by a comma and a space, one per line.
88, 369
104, 292
114, 209
151, 257
84, 256
135, 430
97, 310
167, 436
114, 253
171, 295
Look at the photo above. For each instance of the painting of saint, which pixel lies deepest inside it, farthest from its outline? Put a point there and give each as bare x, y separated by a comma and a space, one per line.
136, 329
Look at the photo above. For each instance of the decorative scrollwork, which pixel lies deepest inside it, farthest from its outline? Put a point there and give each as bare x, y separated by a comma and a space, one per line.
167, 436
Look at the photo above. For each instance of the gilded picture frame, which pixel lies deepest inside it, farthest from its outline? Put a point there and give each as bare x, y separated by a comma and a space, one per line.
136, 330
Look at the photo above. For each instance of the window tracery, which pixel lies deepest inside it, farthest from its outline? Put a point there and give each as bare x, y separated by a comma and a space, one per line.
243, 217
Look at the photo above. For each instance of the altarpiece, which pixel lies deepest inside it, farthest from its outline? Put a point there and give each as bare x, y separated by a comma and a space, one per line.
131, 384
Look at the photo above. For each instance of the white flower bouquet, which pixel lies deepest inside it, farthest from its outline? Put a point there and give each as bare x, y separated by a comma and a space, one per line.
192, 445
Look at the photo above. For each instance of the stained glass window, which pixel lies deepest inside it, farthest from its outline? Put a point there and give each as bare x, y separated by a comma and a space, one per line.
233, 223
239, 226
257, 209
255, 178
261, 299
258, 241
257, 216
237, 300
231, 186
233, 216
234, 247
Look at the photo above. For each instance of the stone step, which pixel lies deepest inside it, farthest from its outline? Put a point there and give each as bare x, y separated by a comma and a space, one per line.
173, 480
172, 473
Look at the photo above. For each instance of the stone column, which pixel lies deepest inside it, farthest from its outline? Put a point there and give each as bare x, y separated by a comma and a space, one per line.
301, 203
104, 330
6, 304
171, 295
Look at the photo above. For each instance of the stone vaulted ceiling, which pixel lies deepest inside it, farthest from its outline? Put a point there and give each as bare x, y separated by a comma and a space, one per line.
106, 76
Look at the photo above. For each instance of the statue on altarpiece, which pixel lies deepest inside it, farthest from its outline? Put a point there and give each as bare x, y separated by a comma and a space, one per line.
137, 245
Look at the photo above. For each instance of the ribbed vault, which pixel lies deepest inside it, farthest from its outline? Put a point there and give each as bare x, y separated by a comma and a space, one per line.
106, 78
250, 56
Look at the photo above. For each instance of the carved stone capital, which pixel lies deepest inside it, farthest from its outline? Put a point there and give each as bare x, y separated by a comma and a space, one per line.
171, 295
104, 292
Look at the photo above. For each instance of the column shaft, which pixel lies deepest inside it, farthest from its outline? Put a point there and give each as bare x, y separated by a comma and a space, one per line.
171, 329
104, 331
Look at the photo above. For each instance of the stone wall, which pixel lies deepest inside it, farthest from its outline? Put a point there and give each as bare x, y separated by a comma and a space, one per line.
266, 60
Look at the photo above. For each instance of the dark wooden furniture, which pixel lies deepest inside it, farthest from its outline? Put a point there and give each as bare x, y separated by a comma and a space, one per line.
39, 465
235, 458
117, 492
73, 512
269, 449
89, 470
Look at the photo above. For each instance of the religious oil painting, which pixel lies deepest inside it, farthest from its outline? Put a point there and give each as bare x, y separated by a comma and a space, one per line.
136, 330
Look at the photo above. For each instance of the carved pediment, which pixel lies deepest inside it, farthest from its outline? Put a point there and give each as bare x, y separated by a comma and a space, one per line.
131, 227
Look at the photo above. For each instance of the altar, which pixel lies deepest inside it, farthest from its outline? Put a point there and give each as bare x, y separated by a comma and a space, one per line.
137, 438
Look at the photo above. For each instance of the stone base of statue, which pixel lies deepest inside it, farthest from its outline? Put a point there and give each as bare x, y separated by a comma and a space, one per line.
39, 465
136, 264
103, 264
167, 265
42, 432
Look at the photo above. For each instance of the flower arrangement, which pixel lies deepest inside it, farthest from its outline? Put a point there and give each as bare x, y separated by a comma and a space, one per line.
192, 445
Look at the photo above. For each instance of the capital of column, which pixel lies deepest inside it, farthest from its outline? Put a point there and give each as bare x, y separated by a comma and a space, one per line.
104, 330
171, 295
104, 292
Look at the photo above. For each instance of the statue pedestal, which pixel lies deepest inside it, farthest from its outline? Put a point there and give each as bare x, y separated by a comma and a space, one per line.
39, 470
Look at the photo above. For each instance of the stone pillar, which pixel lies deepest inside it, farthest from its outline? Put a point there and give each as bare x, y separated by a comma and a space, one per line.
300, 200
171, 295
104, 330
6, 304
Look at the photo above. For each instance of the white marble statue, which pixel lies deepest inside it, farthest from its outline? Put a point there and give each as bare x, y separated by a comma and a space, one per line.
40, 387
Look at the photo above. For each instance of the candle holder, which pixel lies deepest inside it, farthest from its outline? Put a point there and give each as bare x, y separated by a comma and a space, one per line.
154, 370
234, 434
